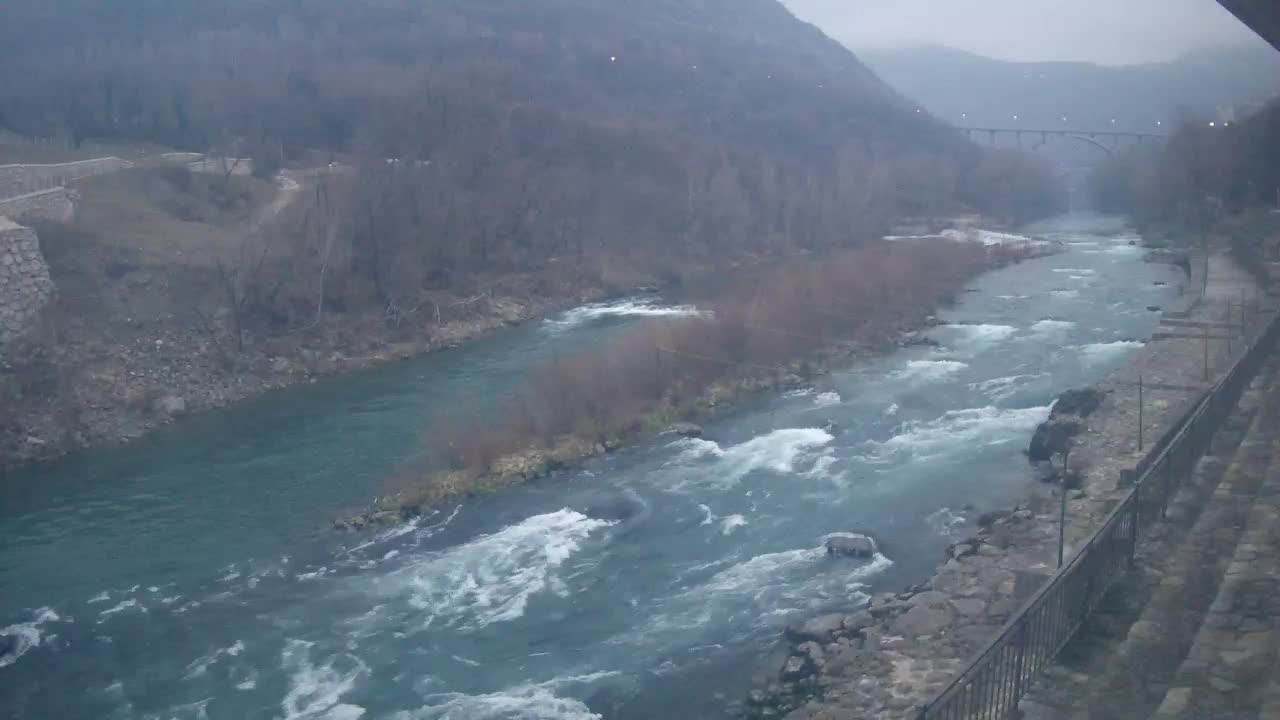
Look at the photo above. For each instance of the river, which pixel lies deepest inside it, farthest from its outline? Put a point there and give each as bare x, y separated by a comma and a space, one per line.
191, 575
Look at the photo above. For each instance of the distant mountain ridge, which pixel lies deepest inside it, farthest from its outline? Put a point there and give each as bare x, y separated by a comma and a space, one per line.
967, 89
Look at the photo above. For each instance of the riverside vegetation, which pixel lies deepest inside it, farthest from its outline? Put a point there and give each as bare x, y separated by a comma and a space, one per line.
777, 328
1213, 182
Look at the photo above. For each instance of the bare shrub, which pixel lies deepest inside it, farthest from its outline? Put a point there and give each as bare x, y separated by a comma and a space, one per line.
758, 328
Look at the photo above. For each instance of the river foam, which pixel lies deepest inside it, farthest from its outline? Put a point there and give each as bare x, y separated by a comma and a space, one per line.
974, 338
1002, 388
27, 635
491, 579
929, 370
781, 451
1097, 353
1049, 327
542, 701
633, 307
957, 430
316, 689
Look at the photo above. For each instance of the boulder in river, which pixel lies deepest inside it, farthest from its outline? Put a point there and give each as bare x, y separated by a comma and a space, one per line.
686, 429
1053, 437
1080, 402
851, 545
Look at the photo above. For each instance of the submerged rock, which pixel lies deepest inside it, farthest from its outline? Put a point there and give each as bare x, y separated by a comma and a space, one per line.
608, 701
170, 405
686, 429
619, 507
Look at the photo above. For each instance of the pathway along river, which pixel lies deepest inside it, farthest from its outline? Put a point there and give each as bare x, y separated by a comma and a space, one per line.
188, 576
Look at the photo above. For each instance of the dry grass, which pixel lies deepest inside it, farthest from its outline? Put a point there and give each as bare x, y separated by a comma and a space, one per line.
169, 215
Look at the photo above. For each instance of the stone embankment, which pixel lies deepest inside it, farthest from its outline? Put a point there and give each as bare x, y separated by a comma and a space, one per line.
24, 179
893, 655
25, 285
34, 192
39, 192
55, 204
1194, 631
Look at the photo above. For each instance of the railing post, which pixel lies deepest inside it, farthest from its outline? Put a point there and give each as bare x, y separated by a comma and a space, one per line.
1206, 353
1133, 527
1019, 664
1140, 413
1169, 481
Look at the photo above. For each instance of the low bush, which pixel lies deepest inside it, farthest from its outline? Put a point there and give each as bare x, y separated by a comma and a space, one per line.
760, 332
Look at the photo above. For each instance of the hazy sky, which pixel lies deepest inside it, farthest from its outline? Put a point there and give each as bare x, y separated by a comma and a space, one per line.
1105, 31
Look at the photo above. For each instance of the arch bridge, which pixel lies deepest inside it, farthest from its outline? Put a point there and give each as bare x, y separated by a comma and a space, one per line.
1109, 141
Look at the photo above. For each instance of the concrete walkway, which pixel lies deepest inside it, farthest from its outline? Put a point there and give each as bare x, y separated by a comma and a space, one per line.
1226, 671
1193, 632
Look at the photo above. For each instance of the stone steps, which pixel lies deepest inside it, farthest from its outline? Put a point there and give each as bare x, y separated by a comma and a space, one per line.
1146, 661
1226, 672
1271, 698
1122, 662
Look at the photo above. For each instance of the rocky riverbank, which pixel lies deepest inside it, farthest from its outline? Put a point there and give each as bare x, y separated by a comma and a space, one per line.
83, 381
890, 656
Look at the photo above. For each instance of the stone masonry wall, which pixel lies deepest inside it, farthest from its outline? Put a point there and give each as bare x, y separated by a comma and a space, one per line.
57, 205
23, 179
25, 285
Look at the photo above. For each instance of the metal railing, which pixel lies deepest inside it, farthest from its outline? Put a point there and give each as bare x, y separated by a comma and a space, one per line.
997, 677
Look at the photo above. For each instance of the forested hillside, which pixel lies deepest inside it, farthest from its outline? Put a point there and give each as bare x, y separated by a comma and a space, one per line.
1207, 179
526, 130
965, 88
450, 166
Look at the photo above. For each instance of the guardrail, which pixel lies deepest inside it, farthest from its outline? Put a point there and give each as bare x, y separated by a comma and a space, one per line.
997, 677
24, 179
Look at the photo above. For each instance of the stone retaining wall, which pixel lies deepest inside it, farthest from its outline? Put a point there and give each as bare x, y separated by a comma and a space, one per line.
18, 180
57, 204
25, 285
